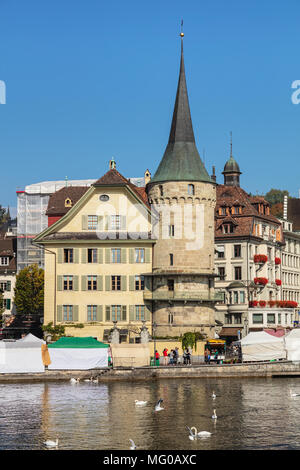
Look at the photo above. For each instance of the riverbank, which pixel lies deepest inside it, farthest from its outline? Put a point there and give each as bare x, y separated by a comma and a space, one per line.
257, 369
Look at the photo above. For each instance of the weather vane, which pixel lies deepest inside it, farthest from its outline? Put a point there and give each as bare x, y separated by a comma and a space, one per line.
181, 32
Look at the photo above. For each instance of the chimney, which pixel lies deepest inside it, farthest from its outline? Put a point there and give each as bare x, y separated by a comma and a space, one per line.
285, 207
213, 176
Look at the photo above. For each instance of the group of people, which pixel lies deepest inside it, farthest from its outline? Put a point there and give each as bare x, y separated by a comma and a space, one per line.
172, 357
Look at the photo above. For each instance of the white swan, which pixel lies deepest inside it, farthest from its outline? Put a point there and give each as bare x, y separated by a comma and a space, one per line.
214, 416
49, 443
140, 402
157, 406
294, 394
95, 381
195, 434
133, 446
214, 395
74, 381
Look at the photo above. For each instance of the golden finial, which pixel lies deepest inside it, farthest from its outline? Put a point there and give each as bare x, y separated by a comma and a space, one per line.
181, 32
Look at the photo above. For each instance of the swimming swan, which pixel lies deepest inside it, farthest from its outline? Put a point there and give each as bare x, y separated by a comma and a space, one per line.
294, 394
74, 381
195, 434
214, 395
157, 406
133, 446
51, 443
214, 416
140, 402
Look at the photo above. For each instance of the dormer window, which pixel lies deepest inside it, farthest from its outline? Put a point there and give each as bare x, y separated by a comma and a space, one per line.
68, 202
222, 211
4, 260
236, 210
191, 189
228, 228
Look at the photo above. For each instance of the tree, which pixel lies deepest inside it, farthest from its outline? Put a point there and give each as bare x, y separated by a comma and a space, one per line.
275, 196
3, 215
29, 291
2, 308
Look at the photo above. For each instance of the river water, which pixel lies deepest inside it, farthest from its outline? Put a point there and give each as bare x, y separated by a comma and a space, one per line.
252, 414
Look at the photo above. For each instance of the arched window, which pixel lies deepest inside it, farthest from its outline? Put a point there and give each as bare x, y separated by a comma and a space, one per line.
191, 189
68, 202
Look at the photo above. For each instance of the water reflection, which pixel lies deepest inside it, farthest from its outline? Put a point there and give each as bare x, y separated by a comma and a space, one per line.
252, 414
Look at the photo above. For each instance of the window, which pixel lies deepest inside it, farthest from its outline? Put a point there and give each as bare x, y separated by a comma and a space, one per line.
68, 202
221, 272
171, 259
171, 230
227, 228
271, 318
139, 283
116, 255
68, 312
171, 284
279, 318
140, 255
223, 211
118, 312
170, 318
191, 189
257, 318
236, 210
237, 273
221, 251
4, 260
3, 286
242, 297
235, 297
237, 318
92, 313
68, 255
6, 303
228, 319
92, 222
92, 255
92, 283
140, 312
68, 282
237, 251
115, 282
115, 222
161, 190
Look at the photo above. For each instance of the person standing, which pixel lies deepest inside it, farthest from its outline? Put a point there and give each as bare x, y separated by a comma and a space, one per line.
156, 358
174, 357
165, 354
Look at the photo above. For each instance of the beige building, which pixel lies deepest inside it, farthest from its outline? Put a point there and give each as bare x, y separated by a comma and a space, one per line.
96, 258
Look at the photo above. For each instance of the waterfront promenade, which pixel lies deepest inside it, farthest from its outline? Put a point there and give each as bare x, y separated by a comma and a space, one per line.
255, 369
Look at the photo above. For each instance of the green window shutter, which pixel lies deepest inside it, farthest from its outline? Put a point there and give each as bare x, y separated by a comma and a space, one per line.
147, 255
147, 313
83, 254
123, 222
124, 312
99, 282
131, 282
8, 302
123, 283
100, 223
100, 255
107, 255
131, 312
123, 255
83, 283
76, 255
84, 222
107, 282
59, 282
8, 286
75, 282
59, 312
60, 254
107, 313
75, 312
99, 313
131, 255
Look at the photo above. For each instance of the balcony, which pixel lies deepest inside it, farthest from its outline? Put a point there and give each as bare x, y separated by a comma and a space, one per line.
183, 295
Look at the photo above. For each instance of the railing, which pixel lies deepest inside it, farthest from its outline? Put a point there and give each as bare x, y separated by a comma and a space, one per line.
182, 295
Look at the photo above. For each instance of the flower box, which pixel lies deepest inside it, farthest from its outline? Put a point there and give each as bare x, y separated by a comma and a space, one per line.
277, 260
262, 303
278, 282
261, 280
253, 303
260, 259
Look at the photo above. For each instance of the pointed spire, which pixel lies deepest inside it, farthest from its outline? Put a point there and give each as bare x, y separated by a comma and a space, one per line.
181, 160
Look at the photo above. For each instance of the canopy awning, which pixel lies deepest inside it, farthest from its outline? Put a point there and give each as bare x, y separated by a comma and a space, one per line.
230, 331
86, 343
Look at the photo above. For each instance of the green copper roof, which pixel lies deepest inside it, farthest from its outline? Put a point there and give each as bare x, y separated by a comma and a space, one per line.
231, 166
181, 160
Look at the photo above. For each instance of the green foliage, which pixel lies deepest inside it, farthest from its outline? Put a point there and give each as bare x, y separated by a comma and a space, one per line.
3, 215
275, 196
55, 331
75, 325
29, 290
190, 339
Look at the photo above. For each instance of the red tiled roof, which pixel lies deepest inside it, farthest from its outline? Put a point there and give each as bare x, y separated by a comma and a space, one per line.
56, 204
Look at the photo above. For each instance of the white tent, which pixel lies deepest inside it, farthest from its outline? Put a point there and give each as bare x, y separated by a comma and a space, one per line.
21, 356
292, 345
261, 346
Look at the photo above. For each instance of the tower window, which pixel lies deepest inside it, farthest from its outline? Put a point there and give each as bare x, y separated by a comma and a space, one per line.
191, 189
171, 284
171, 259
161, 190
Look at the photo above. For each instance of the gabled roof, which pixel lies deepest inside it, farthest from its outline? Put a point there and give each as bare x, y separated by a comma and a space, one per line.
181, 160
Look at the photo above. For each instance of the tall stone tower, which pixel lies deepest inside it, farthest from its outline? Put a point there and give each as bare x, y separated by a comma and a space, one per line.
183, 197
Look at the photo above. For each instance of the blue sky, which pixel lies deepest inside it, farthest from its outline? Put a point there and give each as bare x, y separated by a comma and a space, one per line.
88, 80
